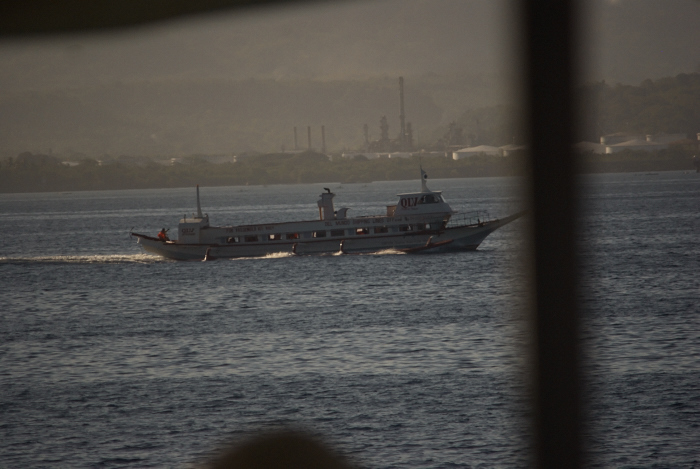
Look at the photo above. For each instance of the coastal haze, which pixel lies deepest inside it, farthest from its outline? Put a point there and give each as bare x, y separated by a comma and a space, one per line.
234, 82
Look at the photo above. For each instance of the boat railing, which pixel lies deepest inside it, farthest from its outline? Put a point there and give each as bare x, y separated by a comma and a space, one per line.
475, 218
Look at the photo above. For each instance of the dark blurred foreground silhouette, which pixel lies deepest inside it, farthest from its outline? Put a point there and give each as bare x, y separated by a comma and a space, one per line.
277, 450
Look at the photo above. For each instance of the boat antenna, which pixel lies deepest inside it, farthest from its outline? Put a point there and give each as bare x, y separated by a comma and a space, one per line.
199, 207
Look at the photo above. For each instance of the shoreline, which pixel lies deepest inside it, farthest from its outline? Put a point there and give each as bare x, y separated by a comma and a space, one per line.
610, 168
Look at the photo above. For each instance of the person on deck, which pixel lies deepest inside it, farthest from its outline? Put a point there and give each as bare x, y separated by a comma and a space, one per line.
163, 236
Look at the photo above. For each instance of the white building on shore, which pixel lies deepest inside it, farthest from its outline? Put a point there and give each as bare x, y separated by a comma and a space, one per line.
478, 150
615, 143
635, 145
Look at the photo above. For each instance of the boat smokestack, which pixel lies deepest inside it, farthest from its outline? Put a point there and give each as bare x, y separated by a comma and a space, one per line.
325, 206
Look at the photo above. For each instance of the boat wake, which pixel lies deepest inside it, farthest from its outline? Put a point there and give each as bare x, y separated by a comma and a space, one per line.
385, 252
272, 255
94, 259
277, 255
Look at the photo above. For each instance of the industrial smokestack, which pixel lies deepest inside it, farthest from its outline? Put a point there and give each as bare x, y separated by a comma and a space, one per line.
308, 131
402, 117
323, 139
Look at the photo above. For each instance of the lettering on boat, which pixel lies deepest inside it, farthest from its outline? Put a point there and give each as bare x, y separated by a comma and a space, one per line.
409, 202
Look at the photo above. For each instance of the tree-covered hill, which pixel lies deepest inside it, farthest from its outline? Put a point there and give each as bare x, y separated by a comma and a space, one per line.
45, 173
667, 105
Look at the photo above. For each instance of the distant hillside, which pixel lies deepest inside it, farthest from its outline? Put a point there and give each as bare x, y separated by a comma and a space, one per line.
44, 173
217, 116
226, 117
666, 105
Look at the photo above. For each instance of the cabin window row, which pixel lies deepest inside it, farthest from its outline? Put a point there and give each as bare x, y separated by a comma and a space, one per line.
325, 233
416, 227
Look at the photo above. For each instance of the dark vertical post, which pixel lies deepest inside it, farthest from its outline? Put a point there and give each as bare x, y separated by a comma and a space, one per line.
549, 34
365, 129
402, 117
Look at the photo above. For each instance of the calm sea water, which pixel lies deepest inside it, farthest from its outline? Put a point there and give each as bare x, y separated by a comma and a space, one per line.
113, 358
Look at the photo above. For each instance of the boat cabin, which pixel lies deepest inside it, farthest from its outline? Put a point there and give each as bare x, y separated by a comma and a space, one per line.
415, 212
414, 203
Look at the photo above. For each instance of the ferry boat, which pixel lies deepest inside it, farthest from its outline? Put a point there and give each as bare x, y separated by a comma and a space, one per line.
419, 222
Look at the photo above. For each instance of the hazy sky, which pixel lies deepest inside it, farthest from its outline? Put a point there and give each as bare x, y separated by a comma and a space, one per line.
239, 80
342, 40
627, 40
